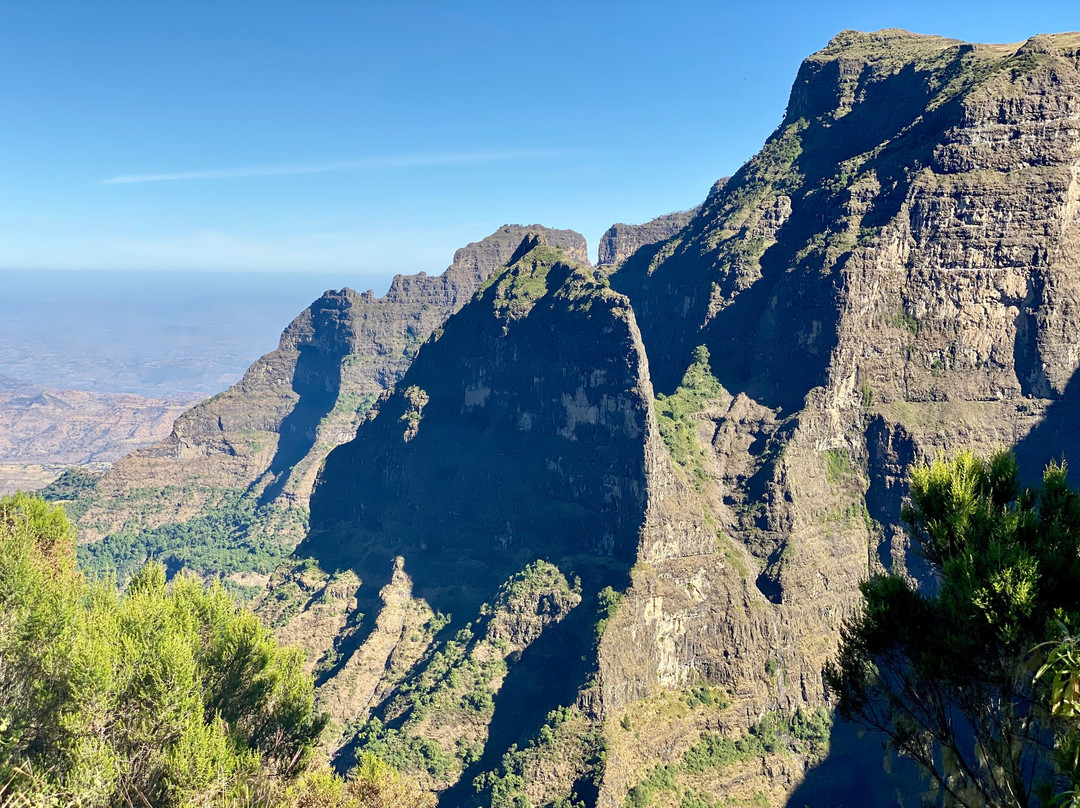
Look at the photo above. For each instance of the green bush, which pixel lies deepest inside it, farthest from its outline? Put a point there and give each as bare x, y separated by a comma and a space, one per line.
674, 413
149, 697
236, 535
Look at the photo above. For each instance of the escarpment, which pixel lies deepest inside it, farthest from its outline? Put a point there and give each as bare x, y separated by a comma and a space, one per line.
620, 241
237, 469
610, 521
893, 275
502, 486
588, 535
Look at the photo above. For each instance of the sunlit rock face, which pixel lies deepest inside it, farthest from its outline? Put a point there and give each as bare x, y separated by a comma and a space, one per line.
607, 516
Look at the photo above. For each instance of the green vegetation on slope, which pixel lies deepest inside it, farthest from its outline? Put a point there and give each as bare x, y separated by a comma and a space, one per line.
435, 725
675, 414
235, 535
802, 733
568, 740
166, 695
72, 484
150, 697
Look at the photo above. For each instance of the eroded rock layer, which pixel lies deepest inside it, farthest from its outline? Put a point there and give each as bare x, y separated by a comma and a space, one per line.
663, 484
620, 241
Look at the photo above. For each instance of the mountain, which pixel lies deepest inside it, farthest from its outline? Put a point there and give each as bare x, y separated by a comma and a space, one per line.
227, 490
620, 241
600, 539
43, 431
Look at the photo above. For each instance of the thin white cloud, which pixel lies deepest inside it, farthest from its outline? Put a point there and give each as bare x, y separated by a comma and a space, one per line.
370, 164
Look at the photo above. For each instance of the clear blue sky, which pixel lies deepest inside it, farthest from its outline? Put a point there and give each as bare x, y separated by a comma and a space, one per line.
369, 139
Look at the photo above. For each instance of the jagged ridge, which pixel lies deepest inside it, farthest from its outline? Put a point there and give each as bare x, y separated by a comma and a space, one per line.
887, 277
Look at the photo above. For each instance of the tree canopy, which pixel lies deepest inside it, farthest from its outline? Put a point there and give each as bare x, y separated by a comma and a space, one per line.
947, 671
165, 695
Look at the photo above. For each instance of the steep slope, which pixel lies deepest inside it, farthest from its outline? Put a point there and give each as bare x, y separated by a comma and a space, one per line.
237, 470
620, 241
489, 508
894, 273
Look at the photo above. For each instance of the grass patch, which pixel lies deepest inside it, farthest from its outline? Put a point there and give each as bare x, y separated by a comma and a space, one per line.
837, 465
901, 319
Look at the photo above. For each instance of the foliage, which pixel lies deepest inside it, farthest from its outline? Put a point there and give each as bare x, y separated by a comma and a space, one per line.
165, 695
73, 483
866, 396
608, 601
236, 535
707, 696
568, 739
901, 319
675, 414
455, 688
800, 733
1063, 666
949, 677
837, 465
371, 784
435, 724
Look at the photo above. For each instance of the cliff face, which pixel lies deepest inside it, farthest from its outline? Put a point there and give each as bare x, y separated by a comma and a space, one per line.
895, 273
475, 526
679, 472
260, 443
620, 241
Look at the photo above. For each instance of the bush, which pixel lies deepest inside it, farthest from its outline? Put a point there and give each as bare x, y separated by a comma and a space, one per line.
159, 696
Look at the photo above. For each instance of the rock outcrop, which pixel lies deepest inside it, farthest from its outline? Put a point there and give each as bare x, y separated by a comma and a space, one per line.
707, 444
894, 274
620, 241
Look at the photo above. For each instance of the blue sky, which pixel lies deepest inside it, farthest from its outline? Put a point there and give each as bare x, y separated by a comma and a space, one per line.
367, 139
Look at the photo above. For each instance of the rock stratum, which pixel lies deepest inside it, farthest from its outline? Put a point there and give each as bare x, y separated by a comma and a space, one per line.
601, 538
597, 539
620, 241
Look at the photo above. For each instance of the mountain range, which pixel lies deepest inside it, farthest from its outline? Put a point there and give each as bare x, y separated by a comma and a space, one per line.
555, 533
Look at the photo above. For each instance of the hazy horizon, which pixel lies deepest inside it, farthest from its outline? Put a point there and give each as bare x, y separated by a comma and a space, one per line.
153, 333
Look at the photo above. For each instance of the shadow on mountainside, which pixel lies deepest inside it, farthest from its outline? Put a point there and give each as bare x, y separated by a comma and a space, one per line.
853, 775
1055, 437
517, 435
547, 675
317, 381
773, 337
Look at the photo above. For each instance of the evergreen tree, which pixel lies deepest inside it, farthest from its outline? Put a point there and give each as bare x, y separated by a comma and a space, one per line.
151, 697
949, 677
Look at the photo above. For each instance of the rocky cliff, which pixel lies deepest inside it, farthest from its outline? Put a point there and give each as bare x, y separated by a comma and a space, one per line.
620, 241
246, 459
600, 540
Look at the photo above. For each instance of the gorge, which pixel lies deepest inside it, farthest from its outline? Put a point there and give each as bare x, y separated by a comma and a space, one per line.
554, 533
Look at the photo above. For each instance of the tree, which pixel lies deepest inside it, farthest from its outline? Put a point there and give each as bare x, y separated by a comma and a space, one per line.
949, 675
166, 695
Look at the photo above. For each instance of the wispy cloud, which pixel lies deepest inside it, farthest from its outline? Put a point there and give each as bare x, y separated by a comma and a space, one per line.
369, 164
